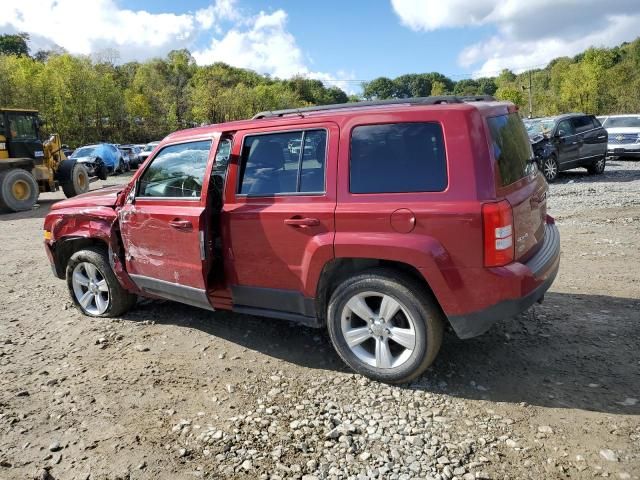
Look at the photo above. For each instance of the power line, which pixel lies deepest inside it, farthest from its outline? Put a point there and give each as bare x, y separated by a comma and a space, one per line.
451, 76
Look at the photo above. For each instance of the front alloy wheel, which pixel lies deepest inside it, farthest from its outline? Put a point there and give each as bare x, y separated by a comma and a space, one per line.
94, 287
90, 288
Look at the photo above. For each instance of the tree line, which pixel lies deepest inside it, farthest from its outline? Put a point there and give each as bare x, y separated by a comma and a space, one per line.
90, 99
597, 81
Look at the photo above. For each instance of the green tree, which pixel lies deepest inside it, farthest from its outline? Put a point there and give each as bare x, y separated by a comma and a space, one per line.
467, 87
511, 94
15, 44
438, 88
412, 85
379, 89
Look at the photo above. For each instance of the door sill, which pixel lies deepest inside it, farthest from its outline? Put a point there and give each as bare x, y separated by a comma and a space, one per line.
312, 322
195, 297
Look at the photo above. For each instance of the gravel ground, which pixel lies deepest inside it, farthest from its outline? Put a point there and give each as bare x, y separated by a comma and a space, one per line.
170, 391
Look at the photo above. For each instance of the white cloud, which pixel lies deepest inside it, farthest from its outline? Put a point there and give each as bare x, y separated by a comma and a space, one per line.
84, 27
264, 44
220, 10
528, 33
434, 14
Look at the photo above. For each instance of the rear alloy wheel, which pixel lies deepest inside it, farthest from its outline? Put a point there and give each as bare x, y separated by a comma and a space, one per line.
597, 167
384, 326
93, 286
550, 168
18, 190
390, 327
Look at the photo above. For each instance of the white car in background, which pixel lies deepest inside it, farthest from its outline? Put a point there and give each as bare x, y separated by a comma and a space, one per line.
146, 151
624, 135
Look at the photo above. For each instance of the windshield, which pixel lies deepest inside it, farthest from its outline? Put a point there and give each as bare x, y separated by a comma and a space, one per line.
84, 152
150, 147
511, 147
615, 122
23, 126
539, 127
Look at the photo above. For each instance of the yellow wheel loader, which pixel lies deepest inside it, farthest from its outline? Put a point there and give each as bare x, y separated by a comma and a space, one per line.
29, 166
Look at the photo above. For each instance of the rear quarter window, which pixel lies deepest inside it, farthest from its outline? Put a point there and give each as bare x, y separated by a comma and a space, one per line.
582, 123
397, 157
511, 147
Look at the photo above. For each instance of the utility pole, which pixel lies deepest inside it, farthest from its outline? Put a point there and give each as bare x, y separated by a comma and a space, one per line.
530, 99
530, 102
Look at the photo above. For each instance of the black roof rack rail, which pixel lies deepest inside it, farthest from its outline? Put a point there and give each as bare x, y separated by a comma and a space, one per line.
443, 99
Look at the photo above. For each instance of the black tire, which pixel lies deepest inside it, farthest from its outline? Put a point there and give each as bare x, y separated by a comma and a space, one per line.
550, 168
428, 322
18, 190
120, 300
102, 172
597, 167
73, 178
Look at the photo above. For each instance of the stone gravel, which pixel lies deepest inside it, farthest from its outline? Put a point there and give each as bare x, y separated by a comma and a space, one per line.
174, 392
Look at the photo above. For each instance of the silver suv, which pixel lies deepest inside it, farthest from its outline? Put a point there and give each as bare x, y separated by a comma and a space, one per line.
624, 135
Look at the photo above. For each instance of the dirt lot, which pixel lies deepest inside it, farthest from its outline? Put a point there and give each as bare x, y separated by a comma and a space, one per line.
170, 391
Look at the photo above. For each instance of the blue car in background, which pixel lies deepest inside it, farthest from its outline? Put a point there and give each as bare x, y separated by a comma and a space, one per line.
99, 159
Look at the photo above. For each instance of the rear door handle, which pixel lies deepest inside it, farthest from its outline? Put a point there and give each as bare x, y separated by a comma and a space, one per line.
181, 224
302, 222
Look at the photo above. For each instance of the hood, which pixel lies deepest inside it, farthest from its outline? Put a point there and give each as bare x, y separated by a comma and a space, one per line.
537, 138
615, 130
102, 197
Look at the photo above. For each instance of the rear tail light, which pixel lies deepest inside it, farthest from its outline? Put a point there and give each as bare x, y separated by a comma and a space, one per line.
497, 220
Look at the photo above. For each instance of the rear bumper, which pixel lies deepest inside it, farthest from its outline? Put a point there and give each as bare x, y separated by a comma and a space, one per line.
541, 271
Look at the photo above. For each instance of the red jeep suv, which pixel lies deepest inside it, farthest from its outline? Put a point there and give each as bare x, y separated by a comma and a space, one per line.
380, 221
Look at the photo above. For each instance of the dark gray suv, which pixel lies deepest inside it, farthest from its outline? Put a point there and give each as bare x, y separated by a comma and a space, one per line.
568, 141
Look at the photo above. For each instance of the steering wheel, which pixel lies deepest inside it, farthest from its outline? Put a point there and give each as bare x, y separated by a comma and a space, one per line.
190, 184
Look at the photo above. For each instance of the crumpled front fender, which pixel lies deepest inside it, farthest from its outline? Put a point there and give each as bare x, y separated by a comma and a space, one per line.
69, 227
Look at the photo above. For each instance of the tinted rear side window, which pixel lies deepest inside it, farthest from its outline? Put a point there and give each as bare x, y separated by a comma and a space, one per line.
511, 147
397, 157
280, 163
582, 124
